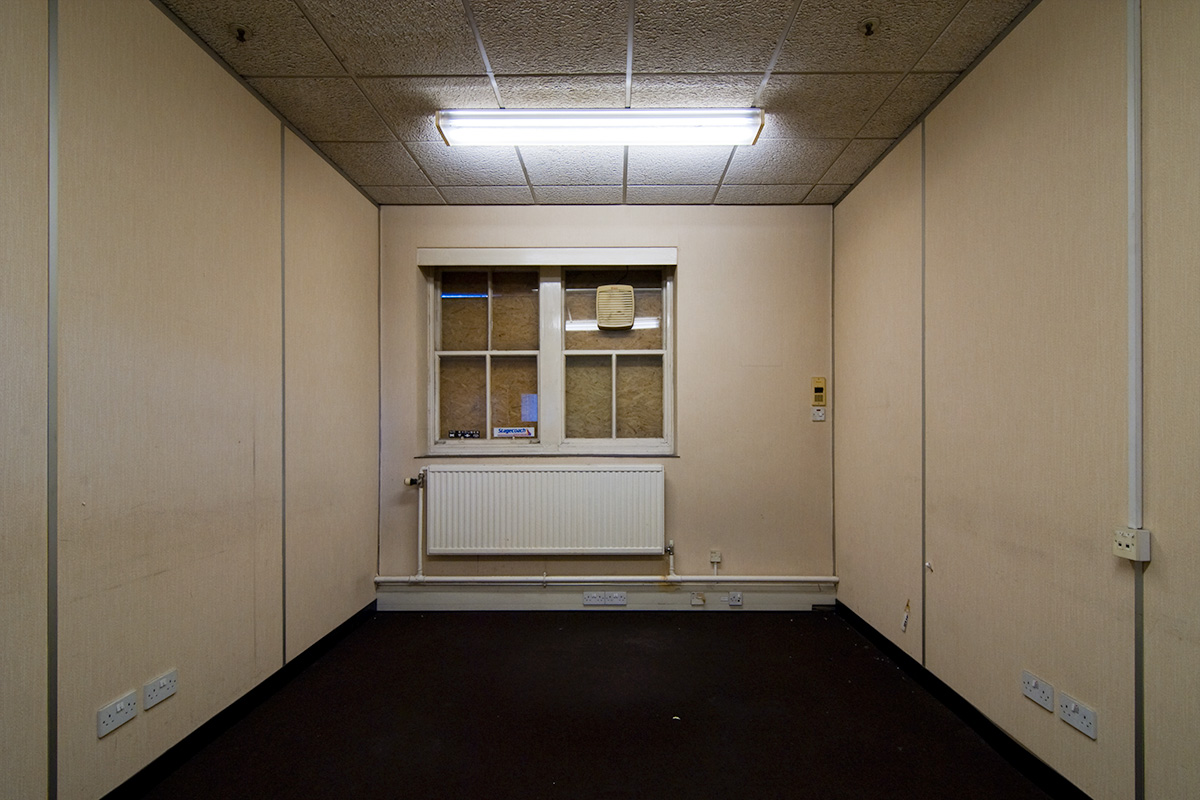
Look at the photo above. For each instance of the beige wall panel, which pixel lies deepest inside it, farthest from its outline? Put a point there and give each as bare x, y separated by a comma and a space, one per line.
23, 220
331, 317
1171, 272
1025, 392
752, 311
170, 386
877, 346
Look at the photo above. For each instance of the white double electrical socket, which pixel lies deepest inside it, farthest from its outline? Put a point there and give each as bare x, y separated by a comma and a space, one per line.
1077, 715
116, 714
604, 598
160, 688
1037, 690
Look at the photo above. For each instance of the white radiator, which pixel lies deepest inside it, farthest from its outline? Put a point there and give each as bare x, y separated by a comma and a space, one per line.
527, 510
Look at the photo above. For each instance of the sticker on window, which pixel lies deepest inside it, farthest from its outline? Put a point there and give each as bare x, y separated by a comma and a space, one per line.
513, 433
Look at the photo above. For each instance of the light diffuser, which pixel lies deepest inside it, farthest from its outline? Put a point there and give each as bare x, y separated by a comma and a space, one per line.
600, 126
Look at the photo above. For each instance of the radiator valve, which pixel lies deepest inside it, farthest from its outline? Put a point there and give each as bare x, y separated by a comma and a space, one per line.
418, 481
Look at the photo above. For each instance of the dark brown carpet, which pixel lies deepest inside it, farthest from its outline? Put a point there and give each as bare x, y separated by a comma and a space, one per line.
595, 706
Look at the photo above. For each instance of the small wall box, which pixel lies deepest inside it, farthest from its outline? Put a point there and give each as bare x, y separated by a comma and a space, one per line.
1131, 543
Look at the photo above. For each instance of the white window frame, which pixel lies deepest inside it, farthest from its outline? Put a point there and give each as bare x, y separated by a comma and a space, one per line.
552, 351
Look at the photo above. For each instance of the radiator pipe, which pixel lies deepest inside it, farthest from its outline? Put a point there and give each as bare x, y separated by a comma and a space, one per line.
419, 482
585, 580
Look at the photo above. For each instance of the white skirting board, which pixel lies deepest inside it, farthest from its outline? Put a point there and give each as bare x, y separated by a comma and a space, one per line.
639, 597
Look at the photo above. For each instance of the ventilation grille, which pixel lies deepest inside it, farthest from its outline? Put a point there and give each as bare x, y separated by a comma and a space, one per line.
614, 307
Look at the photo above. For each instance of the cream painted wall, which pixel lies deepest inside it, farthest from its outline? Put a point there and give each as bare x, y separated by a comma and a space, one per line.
1171, 278
23, 257
877, 458
753, 322
1026, 377
170, 483
331, 325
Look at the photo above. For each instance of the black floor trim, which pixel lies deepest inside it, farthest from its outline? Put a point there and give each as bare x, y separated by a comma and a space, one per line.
154, 772
1039, 772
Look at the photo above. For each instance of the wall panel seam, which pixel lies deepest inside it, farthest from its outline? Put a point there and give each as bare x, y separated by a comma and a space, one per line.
52, 220
924, 439
283, 385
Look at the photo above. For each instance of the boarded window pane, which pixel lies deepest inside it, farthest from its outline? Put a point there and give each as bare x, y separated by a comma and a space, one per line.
514, 310
582, 332
639, 397
462, 386
589, 397
514, 392
464, 310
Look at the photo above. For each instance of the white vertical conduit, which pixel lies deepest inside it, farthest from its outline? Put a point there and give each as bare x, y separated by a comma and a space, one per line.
1133, 115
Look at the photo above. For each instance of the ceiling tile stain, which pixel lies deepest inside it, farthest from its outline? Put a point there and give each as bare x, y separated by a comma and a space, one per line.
839, 81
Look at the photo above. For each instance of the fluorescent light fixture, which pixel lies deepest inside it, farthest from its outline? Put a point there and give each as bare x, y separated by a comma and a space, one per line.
600, 126
639, 324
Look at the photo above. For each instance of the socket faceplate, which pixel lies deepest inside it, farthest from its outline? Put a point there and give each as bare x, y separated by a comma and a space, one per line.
1077, 715
1037, 690
160, 689
116, 714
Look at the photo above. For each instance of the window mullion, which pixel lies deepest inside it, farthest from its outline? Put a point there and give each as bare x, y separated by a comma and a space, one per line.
551, 364
613, 379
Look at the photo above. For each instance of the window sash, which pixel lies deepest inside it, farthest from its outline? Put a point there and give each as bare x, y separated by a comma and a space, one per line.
551, 367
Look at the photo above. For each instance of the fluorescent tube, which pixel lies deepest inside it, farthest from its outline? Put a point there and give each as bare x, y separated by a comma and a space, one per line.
598, 126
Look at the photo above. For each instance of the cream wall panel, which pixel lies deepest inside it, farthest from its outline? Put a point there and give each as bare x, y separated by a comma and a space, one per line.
1171, 272
23, 254
1026, 387
877, 347
170, 373
331, 341
753, 321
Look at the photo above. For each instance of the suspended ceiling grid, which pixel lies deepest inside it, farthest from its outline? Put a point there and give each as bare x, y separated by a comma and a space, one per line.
839, 80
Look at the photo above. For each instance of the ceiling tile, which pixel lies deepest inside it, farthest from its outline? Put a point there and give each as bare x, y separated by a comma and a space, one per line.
578, 195
405, 195
824, 195
979, 22
408, 104
383, 37
782, 194
574, 166
793, 161
694, 91
914, 94
325, 109
549, 37
487, 195
707, 35
280, 42
575, 91
663, 166
469, 166
816, 106
375, 163
825, 36
669, 195
854, 160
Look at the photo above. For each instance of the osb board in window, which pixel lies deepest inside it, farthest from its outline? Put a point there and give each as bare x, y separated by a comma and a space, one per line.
581, 308
589, 397
463, 384
464, 310
513, 377
639, 397
515, 310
